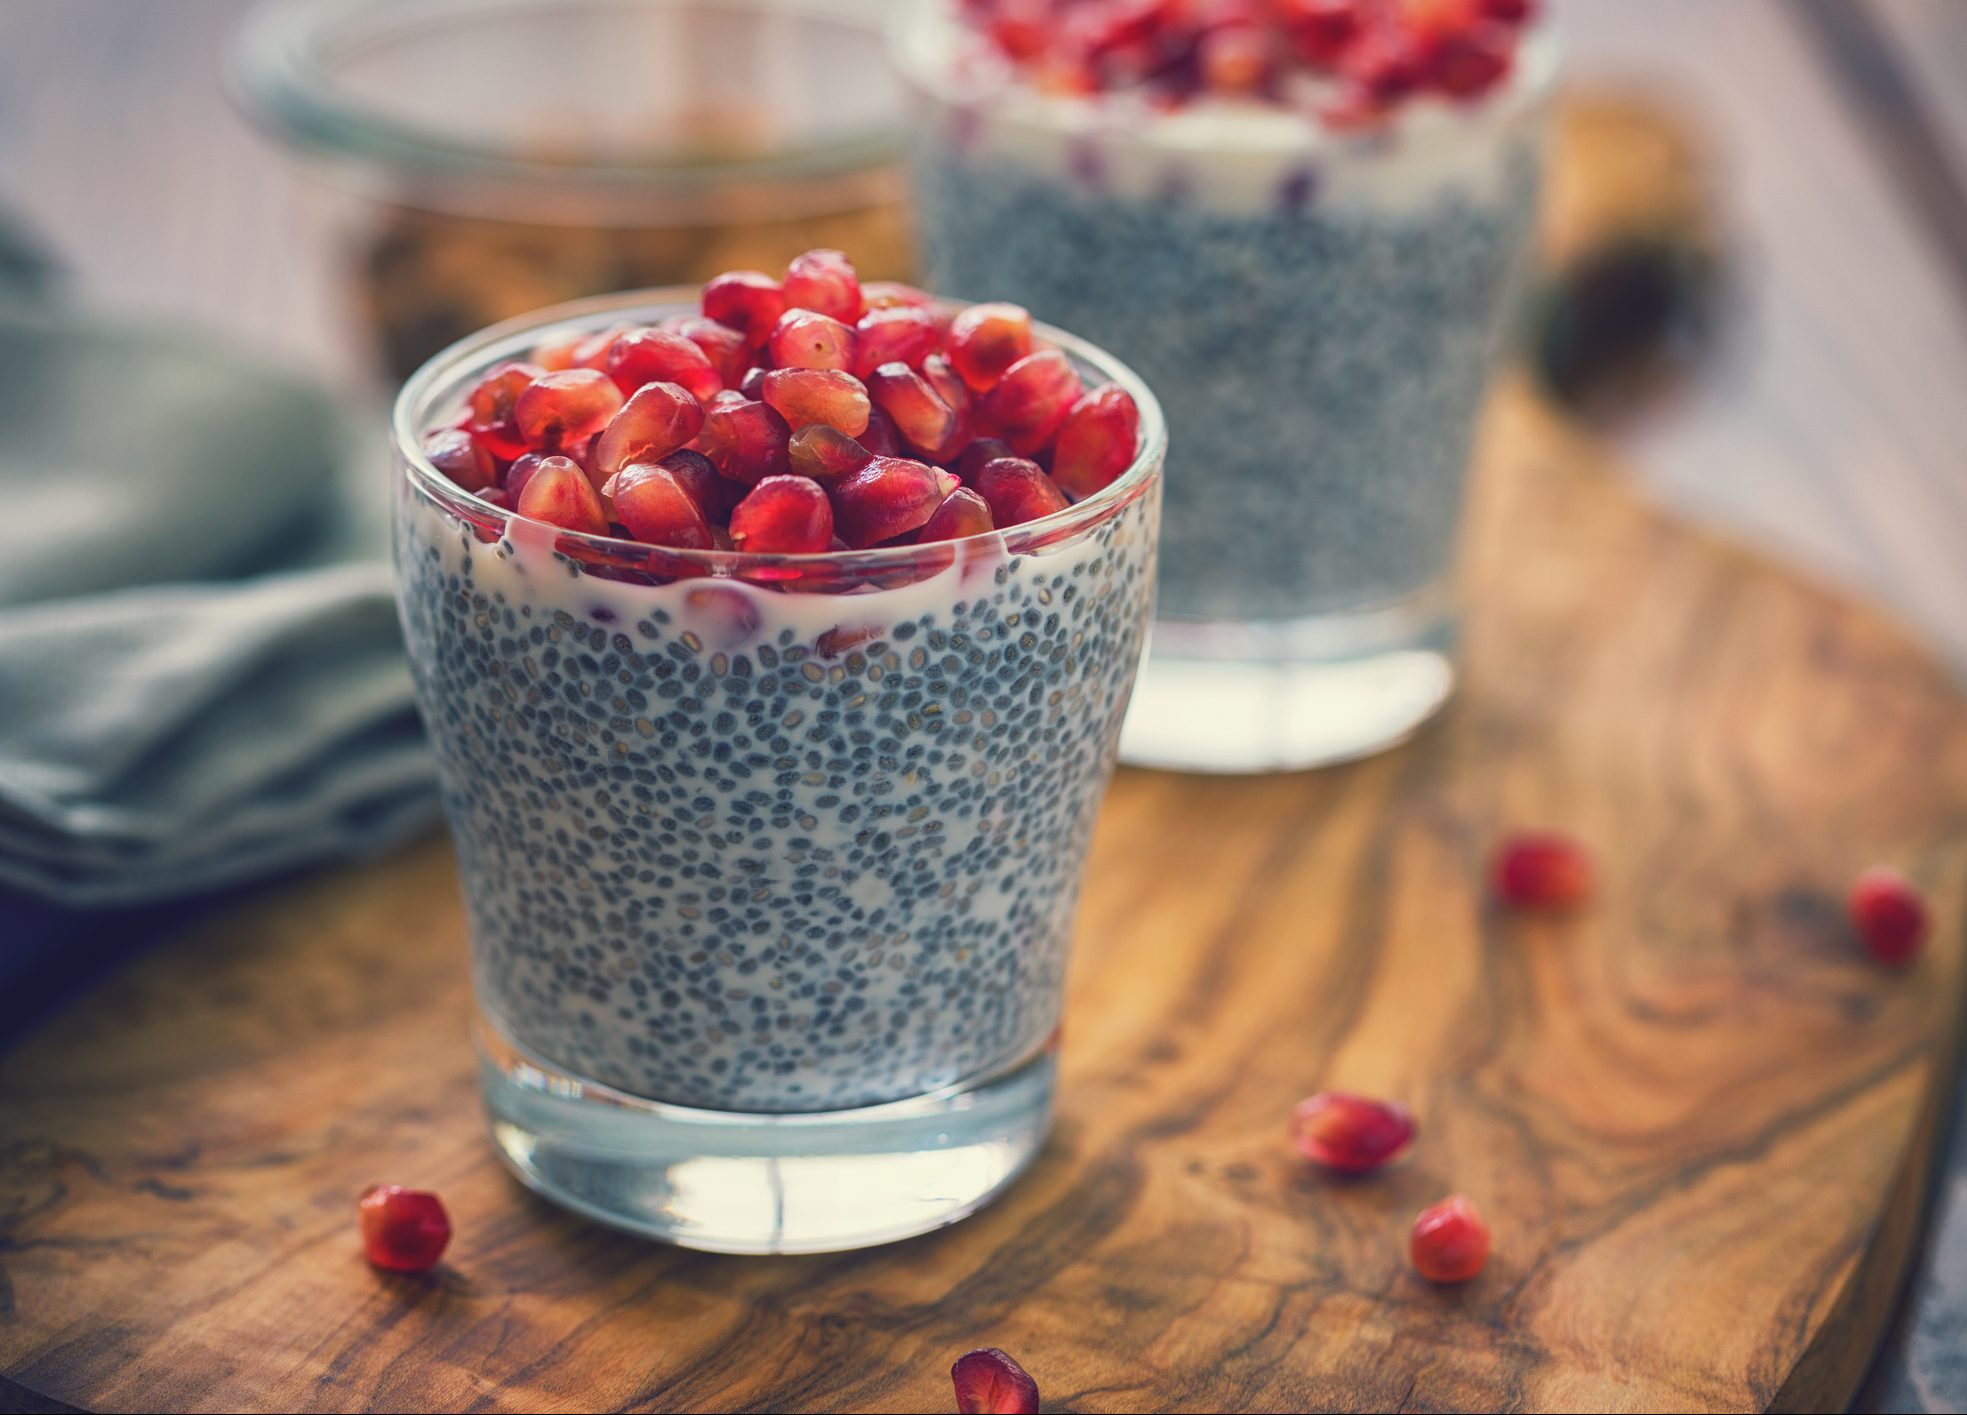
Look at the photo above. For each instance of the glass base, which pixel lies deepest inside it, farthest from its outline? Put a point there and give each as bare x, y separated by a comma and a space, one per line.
1245, 697
728, 1182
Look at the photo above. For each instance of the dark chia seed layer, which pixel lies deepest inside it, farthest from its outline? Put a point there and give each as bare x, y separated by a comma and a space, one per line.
718, 855
1321, 364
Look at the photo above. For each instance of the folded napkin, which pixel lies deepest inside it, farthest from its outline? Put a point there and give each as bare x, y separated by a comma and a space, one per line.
201, 676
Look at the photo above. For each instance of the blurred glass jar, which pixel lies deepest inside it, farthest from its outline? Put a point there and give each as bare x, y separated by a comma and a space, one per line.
493, 156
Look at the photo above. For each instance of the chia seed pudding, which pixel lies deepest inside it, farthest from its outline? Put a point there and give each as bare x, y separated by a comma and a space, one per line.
1317, 308
740, 847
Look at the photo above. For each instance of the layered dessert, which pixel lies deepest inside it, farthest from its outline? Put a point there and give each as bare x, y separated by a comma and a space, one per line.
1297, 218
774, 651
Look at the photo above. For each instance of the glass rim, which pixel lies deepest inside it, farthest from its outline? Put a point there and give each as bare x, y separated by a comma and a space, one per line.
439, 379
278, 72
1534, 80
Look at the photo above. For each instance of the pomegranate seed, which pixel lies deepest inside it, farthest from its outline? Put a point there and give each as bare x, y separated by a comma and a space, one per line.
749, 301
655, 506
985, 340
1017, 491
462, 458
988, 1382
941, 376
695, 474
721, 344
890, 496
963, 513
1029, 403
1889, 915
824, 453
804, 339
1352, 1134
555, 354
783, 516
1450, 1242
1542, 871
745, 440
558, 409
1385, 62
1235, 58
660, 418
497, 496
403, 1230
559, 493
1468, 65
1436, 19
644, 356
825, 283
899, 335
1097, 441
804, 396
927, 424
520, 472
880, 439
752, 385
892, 294
492, 403
1319, 30
984, 450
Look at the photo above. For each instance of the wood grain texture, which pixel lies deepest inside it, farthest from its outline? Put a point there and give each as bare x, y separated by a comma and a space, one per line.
1693, 1116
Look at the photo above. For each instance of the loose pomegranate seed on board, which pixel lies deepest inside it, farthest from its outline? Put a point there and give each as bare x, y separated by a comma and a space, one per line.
988, 1382
403, 1230
1450, 1242
1349, 1133
1889, 916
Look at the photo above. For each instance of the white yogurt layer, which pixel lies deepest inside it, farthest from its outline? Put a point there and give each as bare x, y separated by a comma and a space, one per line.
1235, 156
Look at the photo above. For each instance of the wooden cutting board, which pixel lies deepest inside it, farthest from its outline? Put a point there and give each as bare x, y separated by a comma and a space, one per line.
1699, 1124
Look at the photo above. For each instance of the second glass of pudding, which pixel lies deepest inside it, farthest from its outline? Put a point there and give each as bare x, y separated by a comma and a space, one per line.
1316, 297
771, 861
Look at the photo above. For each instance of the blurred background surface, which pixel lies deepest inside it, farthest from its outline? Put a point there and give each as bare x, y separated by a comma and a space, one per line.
1829, 143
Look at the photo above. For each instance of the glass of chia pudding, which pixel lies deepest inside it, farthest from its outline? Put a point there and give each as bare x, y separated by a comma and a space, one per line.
1300, 220
774, 688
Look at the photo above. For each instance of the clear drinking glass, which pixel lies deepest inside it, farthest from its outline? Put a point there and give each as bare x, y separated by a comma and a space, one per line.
489, 157
771, 862
1318, 314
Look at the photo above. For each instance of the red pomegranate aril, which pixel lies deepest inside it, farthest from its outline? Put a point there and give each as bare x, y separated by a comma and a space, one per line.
492, 403
890, 496
899, 335
644, 356
926, 423
803, 396
694, 473
1017, 491
749, 301
978, 454
1450, 1242
824, 453
559, 493
462, 458
520, 472
721, 344
657, 508
1468, 65
659, 419
804, 339
745, 440
1348, 1133
752, 385
880, 439
403, 1230
1542, 872
988, 1382
1235, 58
893, 294
1319, 30
1097, 441
941, 376
1889, 916
1029, 403
559, 409
963, 513
783, 516
986, 340
824, 282
555, 354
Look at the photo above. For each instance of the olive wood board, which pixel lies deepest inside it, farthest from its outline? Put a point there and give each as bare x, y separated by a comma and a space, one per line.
1699, 1122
